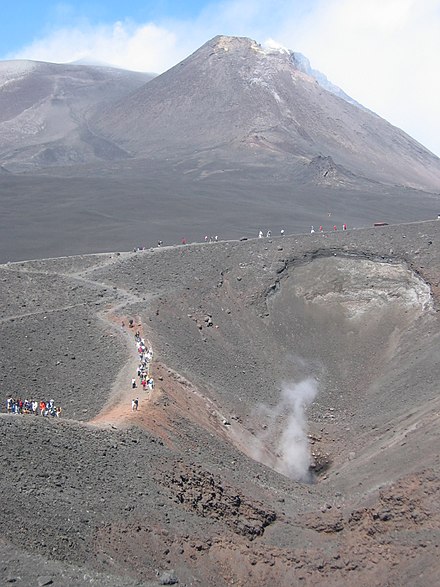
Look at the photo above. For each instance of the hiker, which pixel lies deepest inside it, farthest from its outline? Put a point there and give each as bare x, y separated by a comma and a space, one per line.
344, 226
133, 405
18, 406
133, 383
268, 233
335, 227
312, 230
282, 232
320, 229
260, 234
183, 241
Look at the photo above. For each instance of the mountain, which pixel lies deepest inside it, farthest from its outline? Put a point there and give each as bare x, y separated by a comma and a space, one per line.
235, 139
287, 433
303, 64
233, 99
45, 107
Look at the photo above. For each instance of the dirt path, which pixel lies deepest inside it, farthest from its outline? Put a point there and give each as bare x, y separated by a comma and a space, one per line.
173, 400
117, 411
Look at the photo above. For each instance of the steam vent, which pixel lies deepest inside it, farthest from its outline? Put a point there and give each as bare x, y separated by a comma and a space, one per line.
294, 403
199, 387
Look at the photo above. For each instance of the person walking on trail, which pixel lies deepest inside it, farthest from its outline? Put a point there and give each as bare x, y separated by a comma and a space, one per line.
260, 234
134, 404
268, 233
133, 383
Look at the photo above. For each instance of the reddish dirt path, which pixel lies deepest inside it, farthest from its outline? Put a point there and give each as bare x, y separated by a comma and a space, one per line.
173, 404
117, 412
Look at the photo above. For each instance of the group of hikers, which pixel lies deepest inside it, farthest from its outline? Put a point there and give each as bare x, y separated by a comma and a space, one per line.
321, 229
261, 234
143, 369
312, 230
42, 408
269, 233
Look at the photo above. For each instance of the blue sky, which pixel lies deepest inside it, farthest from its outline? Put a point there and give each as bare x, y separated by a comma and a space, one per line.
27, 20
383, 53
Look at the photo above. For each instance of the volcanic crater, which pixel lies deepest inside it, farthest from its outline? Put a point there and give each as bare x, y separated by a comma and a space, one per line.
290, 434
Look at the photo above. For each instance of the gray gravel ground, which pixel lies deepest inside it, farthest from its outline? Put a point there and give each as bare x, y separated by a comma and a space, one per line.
173, 492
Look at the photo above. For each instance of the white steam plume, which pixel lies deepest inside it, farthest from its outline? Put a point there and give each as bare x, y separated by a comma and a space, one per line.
286, 432
293, 446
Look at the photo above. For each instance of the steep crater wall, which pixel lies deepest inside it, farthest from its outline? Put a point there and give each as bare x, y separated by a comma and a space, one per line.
354, 327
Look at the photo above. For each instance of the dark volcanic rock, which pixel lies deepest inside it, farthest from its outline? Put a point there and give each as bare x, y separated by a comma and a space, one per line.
233, 140
134, 495
233, 96
44, 112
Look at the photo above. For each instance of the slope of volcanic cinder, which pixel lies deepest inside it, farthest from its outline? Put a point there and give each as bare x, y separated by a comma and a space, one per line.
44, 108
198, 485
233, 100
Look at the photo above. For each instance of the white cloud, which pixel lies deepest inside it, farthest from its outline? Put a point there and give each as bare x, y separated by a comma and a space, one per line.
145, 47
382, 52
